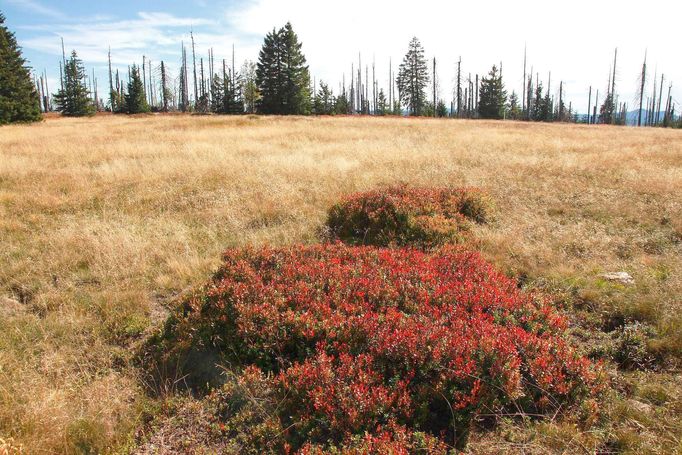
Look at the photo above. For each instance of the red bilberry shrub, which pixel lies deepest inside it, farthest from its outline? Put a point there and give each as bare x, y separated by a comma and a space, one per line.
360, 339
400, 216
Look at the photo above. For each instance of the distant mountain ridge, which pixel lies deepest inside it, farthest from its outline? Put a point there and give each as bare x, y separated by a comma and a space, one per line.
633, 116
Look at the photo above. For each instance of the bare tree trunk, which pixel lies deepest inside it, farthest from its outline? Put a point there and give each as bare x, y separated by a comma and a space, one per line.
589, 105
666, 117
459, 87
47, 92
194, 64
613, 82
144, 78
390, 83
434, 87
652, 107
660, 95
94, 85
529, 94
111, 85
476, 101
352, 88
164, 90
374, 88
523, 98
641, 91
561, 101
203, 80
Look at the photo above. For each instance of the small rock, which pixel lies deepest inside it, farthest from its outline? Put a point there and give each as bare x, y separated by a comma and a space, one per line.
10, 307
621, 277
640, 407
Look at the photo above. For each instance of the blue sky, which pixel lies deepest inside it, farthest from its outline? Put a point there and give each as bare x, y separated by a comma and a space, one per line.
573, 40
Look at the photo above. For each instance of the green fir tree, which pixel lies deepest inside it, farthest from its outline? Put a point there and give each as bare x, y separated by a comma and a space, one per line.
492, 96
136, 99
19, 101
282, 75
73, 100
413, 77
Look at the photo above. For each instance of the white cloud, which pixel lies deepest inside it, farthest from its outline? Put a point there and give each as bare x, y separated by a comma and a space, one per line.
38, 8
574, 41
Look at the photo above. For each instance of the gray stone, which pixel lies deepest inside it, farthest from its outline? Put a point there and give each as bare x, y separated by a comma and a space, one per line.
621, 277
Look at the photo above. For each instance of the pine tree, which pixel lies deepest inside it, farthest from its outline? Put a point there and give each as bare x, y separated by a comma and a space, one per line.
282, 75
166, 93
218, 100
607, 109
270, 74
382, 103
73, 100
232, 98
297, 93
342, 104
413, 77
19, 100
441, 109
324, 100
492, 96
136, 100
514, 111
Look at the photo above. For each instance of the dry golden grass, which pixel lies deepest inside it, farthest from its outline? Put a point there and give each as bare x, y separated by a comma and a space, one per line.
104, 220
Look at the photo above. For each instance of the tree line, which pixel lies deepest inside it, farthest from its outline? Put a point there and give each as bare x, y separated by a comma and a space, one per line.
280, 83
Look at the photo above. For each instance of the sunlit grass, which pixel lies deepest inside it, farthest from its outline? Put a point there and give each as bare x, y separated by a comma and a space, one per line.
105, 220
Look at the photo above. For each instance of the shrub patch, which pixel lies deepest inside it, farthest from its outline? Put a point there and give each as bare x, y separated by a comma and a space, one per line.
377, 343
399, 216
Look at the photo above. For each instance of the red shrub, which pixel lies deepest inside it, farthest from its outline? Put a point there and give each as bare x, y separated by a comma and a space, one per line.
407, 216
361, 337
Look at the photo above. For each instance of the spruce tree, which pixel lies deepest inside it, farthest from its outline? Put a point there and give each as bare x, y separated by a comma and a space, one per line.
342, 104
324, 100
136, 100
73, 100
607, 109
413, 77
441, 109
218, 90
382, 103
282, 75
19, 101
232, 98
513, 108
297, 91
270, 74
492, 96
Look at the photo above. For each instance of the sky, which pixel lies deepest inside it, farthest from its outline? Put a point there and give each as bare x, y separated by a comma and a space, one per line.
573, 40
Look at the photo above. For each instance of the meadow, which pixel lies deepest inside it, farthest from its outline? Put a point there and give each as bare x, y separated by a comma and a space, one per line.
105, 222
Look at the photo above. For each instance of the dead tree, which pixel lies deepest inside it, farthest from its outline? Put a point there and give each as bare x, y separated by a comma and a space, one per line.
164, 88
194, 64
111, 85
434, 87
613, 83
652, 105
523, 97
641, 91
459, 87
561, 101
660, 95
144, 77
